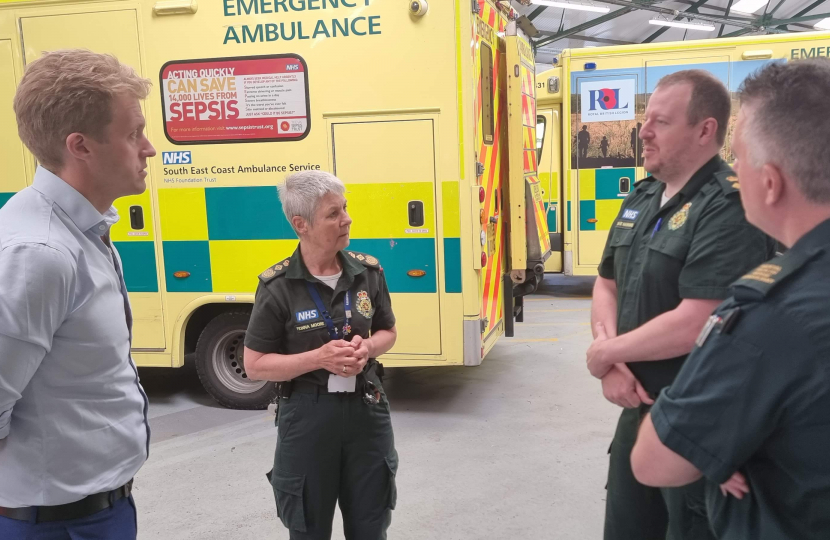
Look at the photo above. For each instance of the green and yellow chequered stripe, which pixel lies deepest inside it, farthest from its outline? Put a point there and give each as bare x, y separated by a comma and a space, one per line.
224, 237
600, 198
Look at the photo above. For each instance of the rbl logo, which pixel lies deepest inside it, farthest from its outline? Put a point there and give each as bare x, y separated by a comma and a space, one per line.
285, 126
606, 98
176, 158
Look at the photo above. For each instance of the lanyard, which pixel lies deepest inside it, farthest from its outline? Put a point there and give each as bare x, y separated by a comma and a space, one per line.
347, 305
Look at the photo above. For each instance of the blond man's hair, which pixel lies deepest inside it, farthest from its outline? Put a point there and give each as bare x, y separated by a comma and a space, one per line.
70, 91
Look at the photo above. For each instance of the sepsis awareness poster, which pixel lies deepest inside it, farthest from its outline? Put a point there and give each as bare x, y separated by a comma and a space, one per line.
250, 99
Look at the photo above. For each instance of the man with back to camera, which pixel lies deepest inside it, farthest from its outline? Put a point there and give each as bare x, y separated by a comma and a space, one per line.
73, 415
754, 396
678, 242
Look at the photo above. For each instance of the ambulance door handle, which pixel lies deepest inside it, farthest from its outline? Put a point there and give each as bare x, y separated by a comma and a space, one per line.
175, 7
136, 218
416, 213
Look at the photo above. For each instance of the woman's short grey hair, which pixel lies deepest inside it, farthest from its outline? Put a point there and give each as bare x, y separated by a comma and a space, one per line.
790, 124
301, 192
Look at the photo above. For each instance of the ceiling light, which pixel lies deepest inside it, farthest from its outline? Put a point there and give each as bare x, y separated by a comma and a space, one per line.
823, 24
749, 6
681, 24
572, 5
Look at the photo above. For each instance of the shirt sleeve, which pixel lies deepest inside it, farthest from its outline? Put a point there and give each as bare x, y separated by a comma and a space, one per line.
724, 248
383, 318
266, 329
728, 397
36, 288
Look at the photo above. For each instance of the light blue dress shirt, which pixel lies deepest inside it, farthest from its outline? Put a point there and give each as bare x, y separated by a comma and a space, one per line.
73, 415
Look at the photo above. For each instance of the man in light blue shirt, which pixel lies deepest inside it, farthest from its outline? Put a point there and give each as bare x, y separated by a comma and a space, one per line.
73, 415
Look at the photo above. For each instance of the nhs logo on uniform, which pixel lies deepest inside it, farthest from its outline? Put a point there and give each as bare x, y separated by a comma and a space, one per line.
176, 158
306, 315
630, 215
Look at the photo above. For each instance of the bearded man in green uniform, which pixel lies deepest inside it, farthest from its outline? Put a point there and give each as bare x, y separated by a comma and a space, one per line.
679, 241
320, 319
751, 406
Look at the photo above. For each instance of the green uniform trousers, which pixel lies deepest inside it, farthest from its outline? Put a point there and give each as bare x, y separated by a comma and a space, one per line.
637, 512
330, 448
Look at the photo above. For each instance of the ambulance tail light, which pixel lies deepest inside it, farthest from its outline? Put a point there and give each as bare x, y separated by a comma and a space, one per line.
418, 8
483, 259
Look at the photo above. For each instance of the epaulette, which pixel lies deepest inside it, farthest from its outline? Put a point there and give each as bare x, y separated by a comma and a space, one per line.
364, 259
728, 181
273, 271
760, 282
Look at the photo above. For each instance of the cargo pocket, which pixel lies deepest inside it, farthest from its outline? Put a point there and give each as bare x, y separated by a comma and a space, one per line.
392, 465
288, 492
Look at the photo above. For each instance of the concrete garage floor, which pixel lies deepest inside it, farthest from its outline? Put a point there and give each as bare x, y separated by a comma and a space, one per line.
512, 449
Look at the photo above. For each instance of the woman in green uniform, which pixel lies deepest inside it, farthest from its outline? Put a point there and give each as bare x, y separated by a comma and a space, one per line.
320, 319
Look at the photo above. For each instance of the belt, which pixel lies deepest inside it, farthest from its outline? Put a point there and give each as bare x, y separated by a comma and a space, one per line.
75, 510
305, 387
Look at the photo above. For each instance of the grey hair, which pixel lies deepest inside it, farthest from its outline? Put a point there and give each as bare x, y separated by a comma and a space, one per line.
301, 192
791, 123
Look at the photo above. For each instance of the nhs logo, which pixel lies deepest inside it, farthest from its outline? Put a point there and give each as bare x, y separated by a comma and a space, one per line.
176, 158
608, 100
630, 215
306, 315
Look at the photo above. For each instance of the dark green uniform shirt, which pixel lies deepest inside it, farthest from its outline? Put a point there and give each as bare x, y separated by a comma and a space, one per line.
285, 319
754, 396
693, 247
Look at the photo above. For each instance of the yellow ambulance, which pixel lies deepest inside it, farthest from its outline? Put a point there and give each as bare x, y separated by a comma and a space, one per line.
590, 108
424, 108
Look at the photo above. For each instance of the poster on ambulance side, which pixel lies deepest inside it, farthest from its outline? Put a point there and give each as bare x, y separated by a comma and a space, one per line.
233, 100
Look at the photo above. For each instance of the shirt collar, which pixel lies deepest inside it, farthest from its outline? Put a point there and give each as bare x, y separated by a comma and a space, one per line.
703, 175
75, 205
298, 270
814, 240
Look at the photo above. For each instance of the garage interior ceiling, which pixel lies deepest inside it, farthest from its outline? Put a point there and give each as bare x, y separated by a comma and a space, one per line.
627, 22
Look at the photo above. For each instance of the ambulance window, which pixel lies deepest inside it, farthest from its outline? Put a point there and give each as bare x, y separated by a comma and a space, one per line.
487, 116
540, 137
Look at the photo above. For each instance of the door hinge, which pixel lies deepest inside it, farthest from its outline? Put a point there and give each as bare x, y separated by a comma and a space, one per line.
479, 168
485, 322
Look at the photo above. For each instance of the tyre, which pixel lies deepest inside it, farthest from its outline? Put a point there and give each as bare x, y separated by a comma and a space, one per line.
219, 363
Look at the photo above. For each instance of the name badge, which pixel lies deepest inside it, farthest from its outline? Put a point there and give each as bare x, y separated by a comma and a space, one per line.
342, 384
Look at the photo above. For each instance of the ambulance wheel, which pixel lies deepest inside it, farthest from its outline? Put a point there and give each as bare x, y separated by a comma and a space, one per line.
220, 365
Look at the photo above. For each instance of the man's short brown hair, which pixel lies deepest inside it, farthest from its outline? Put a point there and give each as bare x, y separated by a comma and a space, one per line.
710, 98
789, 124
70, 91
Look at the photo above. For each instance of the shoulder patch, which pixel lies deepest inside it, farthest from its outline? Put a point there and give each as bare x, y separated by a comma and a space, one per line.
277, 270
728, 181
364, 259
762, 280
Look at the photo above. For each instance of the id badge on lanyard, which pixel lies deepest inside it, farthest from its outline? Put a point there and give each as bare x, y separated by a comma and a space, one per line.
336, 383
